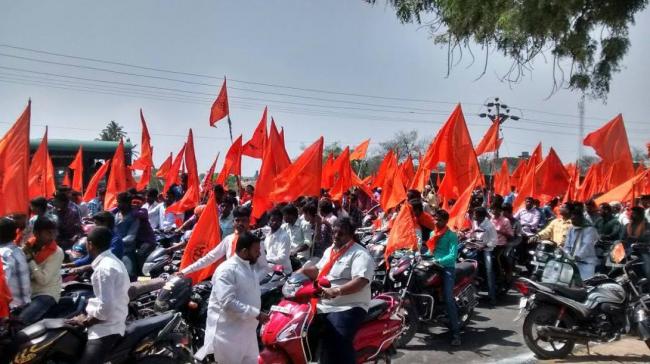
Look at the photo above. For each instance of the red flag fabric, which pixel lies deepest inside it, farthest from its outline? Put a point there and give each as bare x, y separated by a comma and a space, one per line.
172, 174
387, 164
344, 180
192, 196
456, 150
421, 178
91, 190
116, 178
205, 237
254, 148
611, 144
77, 166
407, 170
14, 166
327, 178
392, 191
458, 212
591, 184
553, 179
502, 180
145, 161
360, 151
491, 141
518, 174
303, 177
66, 179
164, 167
220, 107
273, 163
232, 163
282, 157
527, 189
41, 172
625, 192
402, 234
5, 295
207, 183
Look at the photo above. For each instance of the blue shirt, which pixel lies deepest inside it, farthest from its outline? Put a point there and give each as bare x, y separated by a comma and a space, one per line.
117, 248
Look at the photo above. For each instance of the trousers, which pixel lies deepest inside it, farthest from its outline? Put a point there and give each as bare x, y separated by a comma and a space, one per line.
339, 329
97, 350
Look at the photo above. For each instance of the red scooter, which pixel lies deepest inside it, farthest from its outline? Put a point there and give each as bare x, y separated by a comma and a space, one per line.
285, 336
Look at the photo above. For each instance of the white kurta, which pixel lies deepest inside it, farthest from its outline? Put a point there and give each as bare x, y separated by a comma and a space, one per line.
230, 331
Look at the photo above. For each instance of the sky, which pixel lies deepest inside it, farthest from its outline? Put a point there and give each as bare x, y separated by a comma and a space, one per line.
343, 69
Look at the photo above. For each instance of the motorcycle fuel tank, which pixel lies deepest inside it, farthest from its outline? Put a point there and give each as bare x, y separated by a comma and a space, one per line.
606, 293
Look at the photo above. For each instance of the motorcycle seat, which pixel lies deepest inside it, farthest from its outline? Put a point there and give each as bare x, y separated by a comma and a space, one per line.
577, 294
464, 269
38, 329
136, 330
377, 307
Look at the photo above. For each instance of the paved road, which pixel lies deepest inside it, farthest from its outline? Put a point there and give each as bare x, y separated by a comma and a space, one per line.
492, 337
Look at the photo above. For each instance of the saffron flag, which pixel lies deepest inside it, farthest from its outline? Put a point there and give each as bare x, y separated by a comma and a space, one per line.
117, 182
625, 192
611, 144
77, 167
490, 141
232, 163
220, 107
458, 219
14, 166
501, 180
387, 164
205, 237
272, 164
402, 234
408, 171
254, 148
518, 174
172, 175
282, 159
392, 191
344, 180
553, 179
66, 179
41, 172
207, 183
164, 167
91, 190
191, 197
327, 178
360, 151
421, 178
591, 185
527, 189
303, 177
145, 161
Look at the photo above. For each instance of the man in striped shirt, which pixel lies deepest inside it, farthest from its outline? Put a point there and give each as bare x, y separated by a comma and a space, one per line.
14, 265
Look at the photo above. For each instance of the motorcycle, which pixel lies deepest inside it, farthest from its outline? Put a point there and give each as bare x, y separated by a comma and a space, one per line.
271, 287
156, 340
471, 249
286, 337
420, 285
559, 315
542, 254
159, 262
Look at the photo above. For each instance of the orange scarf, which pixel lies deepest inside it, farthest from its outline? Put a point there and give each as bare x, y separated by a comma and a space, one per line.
45, 251
334, 256
233, 244
433, 241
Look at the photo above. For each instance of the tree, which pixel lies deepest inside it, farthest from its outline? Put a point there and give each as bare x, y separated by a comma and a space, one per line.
334, 148
404, 143
639, 155
112, 132
585, 39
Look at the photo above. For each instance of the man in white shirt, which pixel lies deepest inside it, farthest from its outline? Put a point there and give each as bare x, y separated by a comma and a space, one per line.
234, 307
484, 231
106, 313
155, 209
228, 245
326, 210
277, 243
298, 231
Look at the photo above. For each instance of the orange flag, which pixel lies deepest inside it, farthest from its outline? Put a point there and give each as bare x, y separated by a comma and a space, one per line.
392, 191
458, 212
145, 161
518, 174
501, 180
91, 190
611, 144
220, 107
360, 151
5, 295
172, 174
591, 185
191, 197
625, 192
387, 164
77, 166
282, 157
66, 179
402, 234
455, 148
303, 177
14, 166
574, 183
272, 165
408, 171
207, 184
344, 180
553, 179
421, 178
527, 188
254, 148
41, 172
490, 141
327, 178
205, 237
232, 163
117, 182
164, 167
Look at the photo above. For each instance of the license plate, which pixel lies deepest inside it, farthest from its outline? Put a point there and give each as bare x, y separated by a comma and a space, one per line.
280, 309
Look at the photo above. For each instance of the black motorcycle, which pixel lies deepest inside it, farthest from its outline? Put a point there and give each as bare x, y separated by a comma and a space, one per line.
155, 340
271, 287
542, 254
159, 262
471, 249
561, 314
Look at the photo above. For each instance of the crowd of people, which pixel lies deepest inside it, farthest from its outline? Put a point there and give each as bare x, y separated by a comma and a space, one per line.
314, 234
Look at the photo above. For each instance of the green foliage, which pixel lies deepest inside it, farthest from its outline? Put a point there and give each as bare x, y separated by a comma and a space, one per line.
112, 132
404, 143
585, 39
334, 148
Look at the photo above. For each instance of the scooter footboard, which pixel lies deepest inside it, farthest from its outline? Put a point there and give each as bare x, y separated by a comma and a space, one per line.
269, 356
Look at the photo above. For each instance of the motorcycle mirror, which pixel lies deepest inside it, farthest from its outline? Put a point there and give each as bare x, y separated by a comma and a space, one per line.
618, 253
324, 282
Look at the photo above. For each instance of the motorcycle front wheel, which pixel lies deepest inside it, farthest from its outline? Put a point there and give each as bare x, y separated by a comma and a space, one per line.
411, 323
547, 348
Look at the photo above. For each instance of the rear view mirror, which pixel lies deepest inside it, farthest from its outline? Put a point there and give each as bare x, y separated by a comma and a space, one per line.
618, 253
278, 268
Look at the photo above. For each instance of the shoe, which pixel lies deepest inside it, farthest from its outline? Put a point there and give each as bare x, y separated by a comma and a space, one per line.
455, 340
